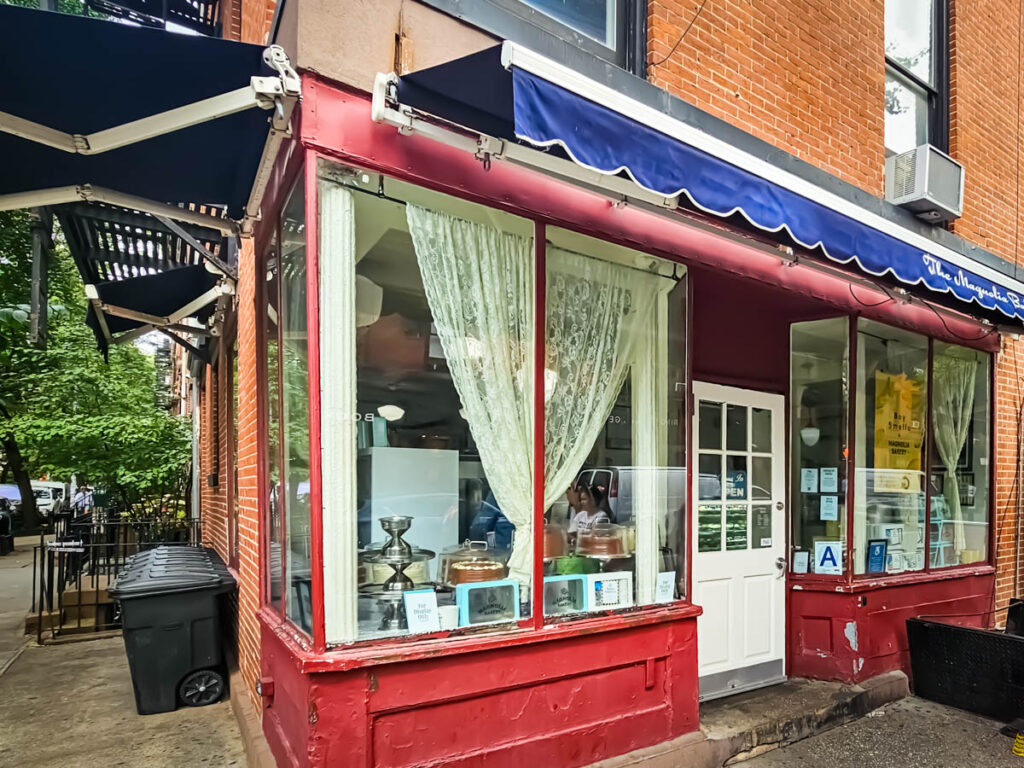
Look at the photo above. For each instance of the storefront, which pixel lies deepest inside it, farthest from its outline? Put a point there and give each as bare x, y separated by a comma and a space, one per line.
549, 453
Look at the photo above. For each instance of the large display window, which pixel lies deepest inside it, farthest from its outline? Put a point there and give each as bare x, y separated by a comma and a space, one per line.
445, 527
919, 458
819, 401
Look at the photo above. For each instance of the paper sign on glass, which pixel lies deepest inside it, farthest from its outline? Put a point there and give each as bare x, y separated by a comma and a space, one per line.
829, 507
421, 610
828, 557
665, 591
800, 561
809, 480
829, 480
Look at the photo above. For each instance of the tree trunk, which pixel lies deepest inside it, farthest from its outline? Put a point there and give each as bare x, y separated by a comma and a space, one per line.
29, 515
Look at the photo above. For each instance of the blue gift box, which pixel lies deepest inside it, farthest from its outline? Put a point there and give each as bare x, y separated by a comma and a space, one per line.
487, 602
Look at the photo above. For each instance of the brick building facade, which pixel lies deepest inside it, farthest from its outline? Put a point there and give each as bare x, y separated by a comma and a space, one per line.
808, 78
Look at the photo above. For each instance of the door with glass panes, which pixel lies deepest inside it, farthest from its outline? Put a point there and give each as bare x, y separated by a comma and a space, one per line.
739, 538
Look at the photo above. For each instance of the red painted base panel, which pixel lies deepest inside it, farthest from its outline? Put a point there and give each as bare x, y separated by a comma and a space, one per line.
853, 636
569, 702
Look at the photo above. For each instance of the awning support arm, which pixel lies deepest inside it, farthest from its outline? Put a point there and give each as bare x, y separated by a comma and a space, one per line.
280, 129
91, 194
486, 148
154, 320
262, 93
181, 232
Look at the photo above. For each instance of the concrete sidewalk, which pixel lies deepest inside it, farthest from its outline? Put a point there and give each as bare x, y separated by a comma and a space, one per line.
912, 733
72, 705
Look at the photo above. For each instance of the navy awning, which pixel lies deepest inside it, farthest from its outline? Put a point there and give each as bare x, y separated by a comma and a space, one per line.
513, 94
80, 75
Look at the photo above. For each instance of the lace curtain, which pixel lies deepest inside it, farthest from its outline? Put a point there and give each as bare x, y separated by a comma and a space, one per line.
953, 402
480, 287
601, 318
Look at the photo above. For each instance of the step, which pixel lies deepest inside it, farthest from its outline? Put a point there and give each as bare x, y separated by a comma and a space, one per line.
747, 725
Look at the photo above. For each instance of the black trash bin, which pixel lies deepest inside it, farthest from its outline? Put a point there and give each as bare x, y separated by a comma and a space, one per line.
171, 601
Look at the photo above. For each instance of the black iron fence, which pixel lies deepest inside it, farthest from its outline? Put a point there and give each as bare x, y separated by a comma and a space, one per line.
73, 572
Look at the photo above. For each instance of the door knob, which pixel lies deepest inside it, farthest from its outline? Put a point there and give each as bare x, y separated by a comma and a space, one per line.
780, 563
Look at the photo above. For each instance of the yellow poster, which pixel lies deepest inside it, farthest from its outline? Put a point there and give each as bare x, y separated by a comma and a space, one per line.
899, 433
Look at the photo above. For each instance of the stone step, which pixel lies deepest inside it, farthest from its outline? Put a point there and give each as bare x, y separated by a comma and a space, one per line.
741, 727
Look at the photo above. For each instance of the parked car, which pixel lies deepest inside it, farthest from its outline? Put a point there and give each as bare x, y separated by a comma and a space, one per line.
619, 483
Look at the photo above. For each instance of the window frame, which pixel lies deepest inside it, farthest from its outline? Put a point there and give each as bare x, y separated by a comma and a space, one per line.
640, 613
519, 21
937, 94
229, 392
270, 245
928, 572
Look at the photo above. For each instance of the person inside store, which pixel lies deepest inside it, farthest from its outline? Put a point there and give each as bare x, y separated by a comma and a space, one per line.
590, 502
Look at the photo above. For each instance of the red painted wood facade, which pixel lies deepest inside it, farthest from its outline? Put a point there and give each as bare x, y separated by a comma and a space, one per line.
573, 693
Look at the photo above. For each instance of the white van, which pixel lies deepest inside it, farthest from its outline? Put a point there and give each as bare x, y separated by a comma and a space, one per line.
48, 495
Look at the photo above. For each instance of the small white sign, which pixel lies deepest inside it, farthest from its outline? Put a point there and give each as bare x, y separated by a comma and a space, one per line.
809, 480
830, 480
665, 590
766, 543
829, 507
800, 561
421, 611
828, 557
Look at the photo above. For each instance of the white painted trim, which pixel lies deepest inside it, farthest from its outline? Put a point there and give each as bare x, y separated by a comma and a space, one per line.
135, 131
88, 193
338, 410
514, 55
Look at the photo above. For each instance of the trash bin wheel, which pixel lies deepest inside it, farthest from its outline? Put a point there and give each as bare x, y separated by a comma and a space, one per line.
201, 688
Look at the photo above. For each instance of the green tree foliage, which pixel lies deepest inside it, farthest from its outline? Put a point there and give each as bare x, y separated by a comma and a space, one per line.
68, 410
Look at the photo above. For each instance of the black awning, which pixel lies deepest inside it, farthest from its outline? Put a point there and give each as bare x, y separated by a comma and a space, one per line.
79, 76
166, 138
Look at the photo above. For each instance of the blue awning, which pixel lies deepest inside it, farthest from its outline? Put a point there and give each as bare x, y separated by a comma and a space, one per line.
513, 94
80, 75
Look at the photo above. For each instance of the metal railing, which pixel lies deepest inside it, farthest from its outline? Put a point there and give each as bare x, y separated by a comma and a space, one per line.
73, 573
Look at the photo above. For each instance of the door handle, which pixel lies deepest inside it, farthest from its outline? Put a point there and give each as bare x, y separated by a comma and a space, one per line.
780, 564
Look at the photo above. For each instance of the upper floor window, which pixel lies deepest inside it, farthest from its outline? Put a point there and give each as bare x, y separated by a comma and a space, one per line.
613, 30
597, 19
916, 74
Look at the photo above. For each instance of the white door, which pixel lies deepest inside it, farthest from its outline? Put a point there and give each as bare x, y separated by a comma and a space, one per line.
739, 538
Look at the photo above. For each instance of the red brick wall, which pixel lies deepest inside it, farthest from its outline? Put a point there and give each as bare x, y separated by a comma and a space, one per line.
809, 77
218, 456
805, 75
256, 16
248, 482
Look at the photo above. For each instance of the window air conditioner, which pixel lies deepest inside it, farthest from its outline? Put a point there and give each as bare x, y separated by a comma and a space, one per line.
927, 182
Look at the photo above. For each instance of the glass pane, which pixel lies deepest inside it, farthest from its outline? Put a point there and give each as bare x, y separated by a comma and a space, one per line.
709, 528
819, 387
760, 430
761, 526
736, 526
709, 484
892, 386
908, 35
906, 114
275, 500
632, 450
594, 18
736, 477
736, 427
761, 477
958, 532
295, 413
425, 330
710, 429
